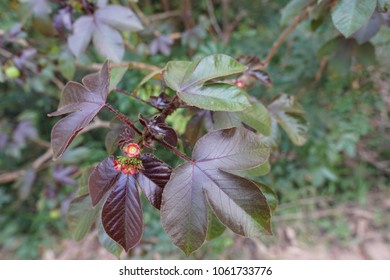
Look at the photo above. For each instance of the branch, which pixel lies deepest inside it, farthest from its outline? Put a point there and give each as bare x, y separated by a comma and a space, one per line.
213, 19
136, 97
47, 155
164, 16
277, 44
129, 64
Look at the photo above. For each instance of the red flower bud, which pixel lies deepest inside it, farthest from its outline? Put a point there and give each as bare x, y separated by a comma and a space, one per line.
132, 150
240, 84
117, 165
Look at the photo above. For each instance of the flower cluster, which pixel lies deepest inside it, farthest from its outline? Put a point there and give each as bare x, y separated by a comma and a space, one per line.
131, 164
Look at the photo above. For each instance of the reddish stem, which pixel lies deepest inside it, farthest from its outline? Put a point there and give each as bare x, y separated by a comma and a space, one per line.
123, 118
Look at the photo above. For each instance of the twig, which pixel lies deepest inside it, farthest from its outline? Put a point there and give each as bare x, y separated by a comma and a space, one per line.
57, 82
41, 160
142, 17
173, 149
276, 45
230, 27
136, 97
213, 19
130, 64
164, 15
122, 118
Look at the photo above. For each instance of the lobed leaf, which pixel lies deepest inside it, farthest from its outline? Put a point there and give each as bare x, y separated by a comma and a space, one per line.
290, 115
103, 28
83, 101
205, 182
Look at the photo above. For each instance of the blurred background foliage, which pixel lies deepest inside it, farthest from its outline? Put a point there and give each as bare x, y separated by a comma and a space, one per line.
332, 190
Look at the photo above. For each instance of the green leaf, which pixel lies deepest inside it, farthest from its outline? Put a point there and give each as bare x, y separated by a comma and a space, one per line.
222, 120
293, 9
349, 15
216, 97
383, 5
270, 195
108, 243
83, 181
215, 228
116, 75
258, 171
365, 54
290, 115
66, 65
257, 116
156, 75
189, 79
174, 73
81, 215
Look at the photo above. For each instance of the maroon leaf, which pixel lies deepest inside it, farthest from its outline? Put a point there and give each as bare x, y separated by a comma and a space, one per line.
237, 202
122, 213
254, 71
83, 102
153, 178
195, 127
160, 130
119, 17
102, 179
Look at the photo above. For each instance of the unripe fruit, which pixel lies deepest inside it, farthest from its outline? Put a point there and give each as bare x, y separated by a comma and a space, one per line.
12, 72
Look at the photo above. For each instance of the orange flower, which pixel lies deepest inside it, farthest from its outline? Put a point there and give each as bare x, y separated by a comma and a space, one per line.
132, 150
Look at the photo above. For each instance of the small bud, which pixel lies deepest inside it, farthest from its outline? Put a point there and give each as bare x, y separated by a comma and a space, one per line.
132, 150
240, 84
117, 165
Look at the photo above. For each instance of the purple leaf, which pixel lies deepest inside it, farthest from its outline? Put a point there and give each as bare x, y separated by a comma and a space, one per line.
63, 20
108, 42
153, 178
83, 29
122, 213
119, 17
40, 8
23, 132
83, 102
103, 28
102, 179
237, 202
369, 29
62, 175
161, 44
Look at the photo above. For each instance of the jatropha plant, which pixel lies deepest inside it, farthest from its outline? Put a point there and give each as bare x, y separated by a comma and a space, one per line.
230, 134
